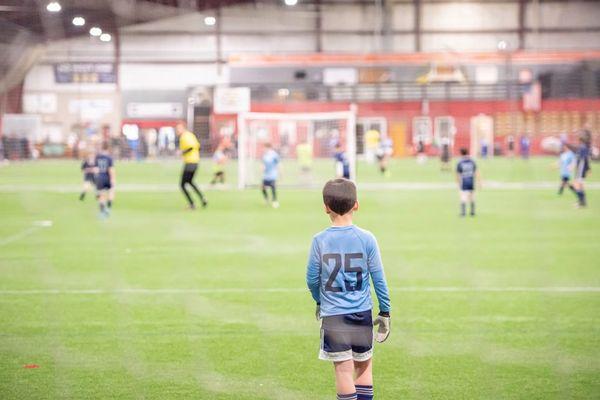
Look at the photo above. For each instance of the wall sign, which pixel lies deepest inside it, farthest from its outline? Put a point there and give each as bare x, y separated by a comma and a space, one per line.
85, 73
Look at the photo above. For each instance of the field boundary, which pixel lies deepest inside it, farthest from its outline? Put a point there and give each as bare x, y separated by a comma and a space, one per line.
424, 289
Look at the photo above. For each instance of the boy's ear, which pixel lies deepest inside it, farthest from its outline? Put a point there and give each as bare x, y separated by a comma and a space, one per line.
327, 209
355, 208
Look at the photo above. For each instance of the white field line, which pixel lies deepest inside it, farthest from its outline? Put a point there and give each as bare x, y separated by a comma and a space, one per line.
407, 186
425, 289
18, 236
25, 232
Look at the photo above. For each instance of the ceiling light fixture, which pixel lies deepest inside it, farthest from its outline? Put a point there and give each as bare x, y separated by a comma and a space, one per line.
53, 6
78, 21
95, 31
105, 37
210, 21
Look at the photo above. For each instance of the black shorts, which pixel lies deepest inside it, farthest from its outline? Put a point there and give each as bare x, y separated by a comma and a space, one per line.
89, 178
565, 178
189, 170
347, 337
103, 183
268, 183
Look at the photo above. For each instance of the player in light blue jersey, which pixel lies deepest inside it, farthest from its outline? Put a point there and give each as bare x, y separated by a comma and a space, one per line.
343, 262
270, 174
566, 161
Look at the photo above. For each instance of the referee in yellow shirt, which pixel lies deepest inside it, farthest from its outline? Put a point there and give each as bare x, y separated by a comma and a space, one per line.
190, 151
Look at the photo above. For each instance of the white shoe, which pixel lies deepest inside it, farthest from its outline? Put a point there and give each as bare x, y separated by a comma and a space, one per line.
275, 204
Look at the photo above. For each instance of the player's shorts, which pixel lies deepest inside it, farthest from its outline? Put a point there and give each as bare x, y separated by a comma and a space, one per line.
89, 177
467, 187
189, 170
268, 183
347, 337
565, 178
581, 170
103, 183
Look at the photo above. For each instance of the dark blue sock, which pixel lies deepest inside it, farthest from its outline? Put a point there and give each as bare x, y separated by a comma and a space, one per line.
472, 208
351, 396
580, 197
463, 209
364, 392
582, 200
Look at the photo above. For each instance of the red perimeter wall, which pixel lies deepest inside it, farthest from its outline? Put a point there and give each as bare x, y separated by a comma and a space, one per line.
462, 111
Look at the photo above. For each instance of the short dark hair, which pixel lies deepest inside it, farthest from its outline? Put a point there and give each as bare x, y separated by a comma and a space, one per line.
339, 195
464, 151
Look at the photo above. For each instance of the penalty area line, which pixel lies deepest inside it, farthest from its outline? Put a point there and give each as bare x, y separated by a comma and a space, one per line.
414, 289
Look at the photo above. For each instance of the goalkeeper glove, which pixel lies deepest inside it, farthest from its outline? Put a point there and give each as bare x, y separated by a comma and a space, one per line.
383, 331
318, 312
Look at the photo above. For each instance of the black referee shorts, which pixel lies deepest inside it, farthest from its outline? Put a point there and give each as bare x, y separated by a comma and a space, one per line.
189, 170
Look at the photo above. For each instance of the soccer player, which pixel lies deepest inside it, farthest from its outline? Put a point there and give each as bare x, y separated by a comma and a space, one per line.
105, 180
190, 152
342, 259
466, 175
88, 167
270, 173
582, 165
342, 165
220, 160
566, 166
384, 151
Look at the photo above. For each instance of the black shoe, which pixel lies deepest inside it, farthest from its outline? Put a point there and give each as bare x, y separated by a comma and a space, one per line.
204, 204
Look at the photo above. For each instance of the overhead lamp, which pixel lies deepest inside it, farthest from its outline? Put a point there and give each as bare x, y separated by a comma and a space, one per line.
105, 37
78, 21
95, 31
53, 6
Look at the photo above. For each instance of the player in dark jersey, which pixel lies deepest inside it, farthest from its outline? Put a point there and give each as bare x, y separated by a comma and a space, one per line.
467, 177
342, 165
89, 180
582, 164
105, 180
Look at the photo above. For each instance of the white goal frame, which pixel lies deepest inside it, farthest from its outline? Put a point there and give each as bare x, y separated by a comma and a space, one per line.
349, 116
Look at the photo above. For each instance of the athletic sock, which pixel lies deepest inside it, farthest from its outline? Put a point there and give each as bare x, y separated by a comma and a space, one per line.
580, 197
264, 192
583, 201
472, 208
102, 207
463, 209
347, 396
109, 203
364, 392
561, 189
82, 196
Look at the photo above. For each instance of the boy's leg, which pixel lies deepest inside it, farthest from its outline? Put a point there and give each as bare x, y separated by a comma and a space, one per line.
463, 203
264, 191
199, 193
111, 197
273, 192
344, 380
561, 188
364, 379
186, 178
472, 200
86, 187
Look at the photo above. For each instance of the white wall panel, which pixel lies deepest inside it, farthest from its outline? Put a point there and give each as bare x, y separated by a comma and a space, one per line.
465, 42
351, 43
268, 44
404, 43
403, 17
168, 77
563, 41
165, 47
350, 18
265, 17
470, 15
563, 14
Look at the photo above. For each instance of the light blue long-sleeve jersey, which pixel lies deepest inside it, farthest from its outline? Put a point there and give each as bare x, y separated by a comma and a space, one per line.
340, 263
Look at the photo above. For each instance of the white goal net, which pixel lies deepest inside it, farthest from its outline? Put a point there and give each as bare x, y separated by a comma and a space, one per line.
307, 144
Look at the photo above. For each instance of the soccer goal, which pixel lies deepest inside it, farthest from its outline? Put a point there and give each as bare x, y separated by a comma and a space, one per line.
306, 143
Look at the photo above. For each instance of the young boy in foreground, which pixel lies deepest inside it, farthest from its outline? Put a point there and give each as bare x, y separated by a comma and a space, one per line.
342, 258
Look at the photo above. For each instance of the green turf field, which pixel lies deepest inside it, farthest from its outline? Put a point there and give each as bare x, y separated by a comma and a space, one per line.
161, 303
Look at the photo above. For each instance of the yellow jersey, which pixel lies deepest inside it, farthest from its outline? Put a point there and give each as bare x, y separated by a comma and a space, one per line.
190, 148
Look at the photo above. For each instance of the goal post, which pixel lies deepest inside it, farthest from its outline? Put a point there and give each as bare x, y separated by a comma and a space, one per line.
305, 142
